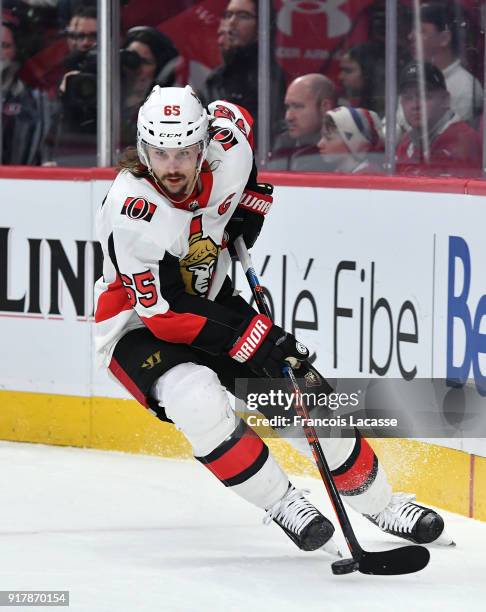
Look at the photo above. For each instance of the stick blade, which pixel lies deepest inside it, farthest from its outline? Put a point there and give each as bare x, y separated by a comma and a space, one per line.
404, 560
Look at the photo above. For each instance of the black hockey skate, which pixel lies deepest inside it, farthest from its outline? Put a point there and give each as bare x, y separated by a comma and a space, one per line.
303, 523
406, 519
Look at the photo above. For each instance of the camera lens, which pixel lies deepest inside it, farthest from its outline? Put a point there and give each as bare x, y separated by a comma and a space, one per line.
129, 59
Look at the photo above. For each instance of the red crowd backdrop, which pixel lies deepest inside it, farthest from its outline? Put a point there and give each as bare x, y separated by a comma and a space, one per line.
308, 34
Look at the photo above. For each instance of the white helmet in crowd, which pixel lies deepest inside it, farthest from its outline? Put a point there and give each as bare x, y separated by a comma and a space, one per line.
172, 117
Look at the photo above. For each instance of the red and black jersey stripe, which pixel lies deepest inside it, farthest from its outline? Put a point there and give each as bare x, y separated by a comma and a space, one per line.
238, 458
359, 470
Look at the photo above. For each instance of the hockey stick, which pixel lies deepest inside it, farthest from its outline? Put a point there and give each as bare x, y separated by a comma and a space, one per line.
402, 560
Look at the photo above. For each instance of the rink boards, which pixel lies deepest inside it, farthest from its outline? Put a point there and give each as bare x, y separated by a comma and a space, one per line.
369, 277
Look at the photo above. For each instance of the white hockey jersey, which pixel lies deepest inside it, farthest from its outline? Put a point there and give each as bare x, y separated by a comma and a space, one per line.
165, 263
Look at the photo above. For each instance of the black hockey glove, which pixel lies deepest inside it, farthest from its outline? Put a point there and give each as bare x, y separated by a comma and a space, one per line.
267, 348
311, 379
247, 220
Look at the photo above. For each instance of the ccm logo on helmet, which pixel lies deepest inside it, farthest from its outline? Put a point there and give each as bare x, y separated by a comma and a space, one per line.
138, 209
250, 341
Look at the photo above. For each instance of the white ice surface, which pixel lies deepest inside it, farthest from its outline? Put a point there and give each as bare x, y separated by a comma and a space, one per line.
130, 533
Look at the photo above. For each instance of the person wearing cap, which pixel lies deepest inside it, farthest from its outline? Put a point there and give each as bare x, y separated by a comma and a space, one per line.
307, 99
439, 34
351, 140
439, 142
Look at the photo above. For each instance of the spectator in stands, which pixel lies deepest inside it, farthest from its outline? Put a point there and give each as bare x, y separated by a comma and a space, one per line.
454, 147
150, 53
67, 8
81, 35
352, 141
24, 110
223, 37
36, 19
362, 77
48, 47
81, 32
72, 138
307, 100
236, 80
439, 33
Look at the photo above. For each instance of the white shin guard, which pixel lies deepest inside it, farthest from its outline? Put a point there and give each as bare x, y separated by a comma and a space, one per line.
198, 404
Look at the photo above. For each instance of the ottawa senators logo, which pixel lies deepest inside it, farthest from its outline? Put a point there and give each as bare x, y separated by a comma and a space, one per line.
198, 265
138, 209
225, 137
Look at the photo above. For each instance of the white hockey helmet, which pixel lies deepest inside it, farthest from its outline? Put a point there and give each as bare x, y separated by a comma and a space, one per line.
171, 117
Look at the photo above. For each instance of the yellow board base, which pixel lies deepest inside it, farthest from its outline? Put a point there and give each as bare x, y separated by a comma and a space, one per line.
444, 477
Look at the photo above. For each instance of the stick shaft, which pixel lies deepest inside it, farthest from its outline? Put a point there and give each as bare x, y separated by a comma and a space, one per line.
302, 411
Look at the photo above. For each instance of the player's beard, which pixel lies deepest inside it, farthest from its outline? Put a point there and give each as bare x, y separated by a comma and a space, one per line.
179, 191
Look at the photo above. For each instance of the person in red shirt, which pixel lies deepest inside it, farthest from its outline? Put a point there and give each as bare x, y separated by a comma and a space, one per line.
439, 143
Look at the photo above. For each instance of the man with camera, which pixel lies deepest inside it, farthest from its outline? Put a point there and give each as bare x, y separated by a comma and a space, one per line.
72, 140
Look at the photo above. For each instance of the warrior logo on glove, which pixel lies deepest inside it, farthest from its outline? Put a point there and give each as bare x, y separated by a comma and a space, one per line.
267, 348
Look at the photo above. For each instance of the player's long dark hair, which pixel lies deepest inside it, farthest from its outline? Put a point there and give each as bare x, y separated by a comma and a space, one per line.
129, 160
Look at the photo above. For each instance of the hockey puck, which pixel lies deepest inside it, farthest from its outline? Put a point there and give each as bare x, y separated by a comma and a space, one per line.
344, 566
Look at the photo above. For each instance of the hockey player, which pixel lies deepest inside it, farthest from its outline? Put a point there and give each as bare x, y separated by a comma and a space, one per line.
172, 331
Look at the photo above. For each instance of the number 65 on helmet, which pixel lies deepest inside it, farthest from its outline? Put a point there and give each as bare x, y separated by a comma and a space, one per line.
172, 117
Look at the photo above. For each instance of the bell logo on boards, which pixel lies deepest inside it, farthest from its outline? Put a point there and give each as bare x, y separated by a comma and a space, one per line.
469, 315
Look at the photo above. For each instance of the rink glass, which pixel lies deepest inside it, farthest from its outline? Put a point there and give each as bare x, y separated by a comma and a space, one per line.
294, 38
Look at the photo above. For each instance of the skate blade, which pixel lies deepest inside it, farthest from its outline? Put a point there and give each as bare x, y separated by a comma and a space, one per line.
331, 548
444, 540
